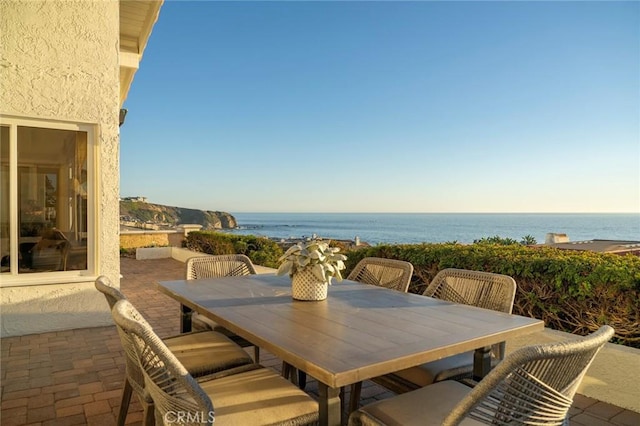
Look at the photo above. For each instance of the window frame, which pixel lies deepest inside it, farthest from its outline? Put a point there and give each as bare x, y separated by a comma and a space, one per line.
14, 278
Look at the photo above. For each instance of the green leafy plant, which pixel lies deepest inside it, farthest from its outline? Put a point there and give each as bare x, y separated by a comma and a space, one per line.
496, 240
261, 251
501, 241
316, 256
528, 240
127, 252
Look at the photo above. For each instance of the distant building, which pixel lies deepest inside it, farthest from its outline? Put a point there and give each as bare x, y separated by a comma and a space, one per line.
552, 238
600, 246
135, 199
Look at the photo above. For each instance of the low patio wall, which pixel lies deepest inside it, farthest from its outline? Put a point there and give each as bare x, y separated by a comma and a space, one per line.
146, 253
182, 254
135, 239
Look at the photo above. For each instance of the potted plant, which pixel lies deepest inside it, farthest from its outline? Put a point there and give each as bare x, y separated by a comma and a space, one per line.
311, 266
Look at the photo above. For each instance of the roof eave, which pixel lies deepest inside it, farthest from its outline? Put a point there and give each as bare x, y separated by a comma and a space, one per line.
137, 18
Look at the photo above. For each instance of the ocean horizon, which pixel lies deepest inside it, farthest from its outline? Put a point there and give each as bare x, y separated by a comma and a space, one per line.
401, 228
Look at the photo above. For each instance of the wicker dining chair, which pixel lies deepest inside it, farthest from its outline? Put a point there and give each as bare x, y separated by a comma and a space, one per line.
482, 289
216, 266
389, 273
202, 353
533, 385
258, 396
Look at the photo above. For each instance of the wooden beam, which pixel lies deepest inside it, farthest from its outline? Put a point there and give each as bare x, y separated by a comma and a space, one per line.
129, 60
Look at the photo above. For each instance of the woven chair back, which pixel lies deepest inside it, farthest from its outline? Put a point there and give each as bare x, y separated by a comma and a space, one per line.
219, 266
169, 384
136, 378
103, 285
476, 288
533, 385
389, 273
482, 289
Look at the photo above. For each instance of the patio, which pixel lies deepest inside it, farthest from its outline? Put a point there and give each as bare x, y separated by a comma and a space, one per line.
75, 377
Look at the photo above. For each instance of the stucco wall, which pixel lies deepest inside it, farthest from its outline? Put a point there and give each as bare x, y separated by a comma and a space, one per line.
59, 60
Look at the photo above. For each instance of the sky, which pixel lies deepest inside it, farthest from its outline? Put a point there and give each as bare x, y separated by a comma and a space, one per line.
387, 107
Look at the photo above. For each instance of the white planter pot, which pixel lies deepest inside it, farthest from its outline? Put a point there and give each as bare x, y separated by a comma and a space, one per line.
305, 286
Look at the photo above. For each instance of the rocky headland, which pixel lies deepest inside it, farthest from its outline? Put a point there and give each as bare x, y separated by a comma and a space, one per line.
136, 213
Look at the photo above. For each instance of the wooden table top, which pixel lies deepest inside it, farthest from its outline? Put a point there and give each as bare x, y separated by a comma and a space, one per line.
359, 332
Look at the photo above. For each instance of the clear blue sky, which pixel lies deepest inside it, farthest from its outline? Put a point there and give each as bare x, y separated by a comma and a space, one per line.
388, 107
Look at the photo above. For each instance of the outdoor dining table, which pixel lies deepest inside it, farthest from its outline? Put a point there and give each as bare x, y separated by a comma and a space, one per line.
359, 332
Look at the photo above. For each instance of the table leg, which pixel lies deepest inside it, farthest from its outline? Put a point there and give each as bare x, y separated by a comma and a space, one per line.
481, 363
185, 319
330, 414
302, 379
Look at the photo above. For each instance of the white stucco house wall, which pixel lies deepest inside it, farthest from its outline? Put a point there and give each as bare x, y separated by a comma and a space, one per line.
65, 70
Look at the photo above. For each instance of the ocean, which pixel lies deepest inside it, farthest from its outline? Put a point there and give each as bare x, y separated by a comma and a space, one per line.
376, 228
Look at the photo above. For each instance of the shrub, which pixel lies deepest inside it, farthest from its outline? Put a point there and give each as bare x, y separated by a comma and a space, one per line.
526, 240
127, 252
496, 240
261, 251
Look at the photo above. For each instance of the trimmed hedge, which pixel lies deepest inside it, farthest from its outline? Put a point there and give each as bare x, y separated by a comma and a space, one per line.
571, 291
261, 251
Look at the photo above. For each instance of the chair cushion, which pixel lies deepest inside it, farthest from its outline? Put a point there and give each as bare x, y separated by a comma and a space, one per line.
207, 352
426, 406
259, 397
435, 371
